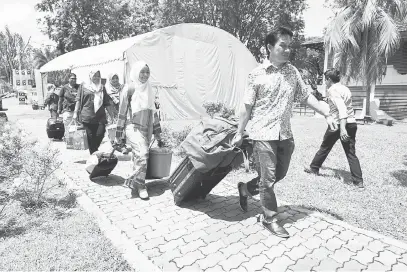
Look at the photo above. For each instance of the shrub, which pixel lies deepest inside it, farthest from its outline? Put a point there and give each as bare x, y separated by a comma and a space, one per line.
173, 139
218, 109
212, 108
37, 177
14, 146
26, 167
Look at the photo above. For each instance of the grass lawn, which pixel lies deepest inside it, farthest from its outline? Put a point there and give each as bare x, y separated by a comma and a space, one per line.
382, 152
58, 237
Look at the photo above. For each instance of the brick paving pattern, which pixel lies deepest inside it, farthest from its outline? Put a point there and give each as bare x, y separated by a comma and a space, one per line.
214, 235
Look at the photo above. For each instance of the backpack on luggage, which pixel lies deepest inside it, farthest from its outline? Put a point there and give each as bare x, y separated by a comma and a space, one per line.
187, 183
55, 128
106, 162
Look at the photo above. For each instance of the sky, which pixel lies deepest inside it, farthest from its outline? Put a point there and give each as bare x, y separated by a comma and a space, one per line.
20, 16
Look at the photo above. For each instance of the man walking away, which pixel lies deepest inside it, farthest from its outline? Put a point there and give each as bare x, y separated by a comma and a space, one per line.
340, 105
67, 102
269, 97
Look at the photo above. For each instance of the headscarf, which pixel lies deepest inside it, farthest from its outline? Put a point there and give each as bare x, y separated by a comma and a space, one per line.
143, 97
50, 88
113, 91
97, 89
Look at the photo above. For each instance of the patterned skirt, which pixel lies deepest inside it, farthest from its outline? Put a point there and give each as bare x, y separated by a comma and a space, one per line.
140, 151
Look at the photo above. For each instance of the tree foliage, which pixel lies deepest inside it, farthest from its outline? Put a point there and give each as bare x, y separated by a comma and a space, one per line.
363, 34
75, 24
311, 64
248, 20
13, 51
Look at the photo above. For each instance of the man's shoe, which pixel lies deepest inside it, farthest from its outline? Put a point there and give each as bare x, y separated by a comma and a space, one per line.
142, 192
359, 184
309, 170
242, 198
276, 229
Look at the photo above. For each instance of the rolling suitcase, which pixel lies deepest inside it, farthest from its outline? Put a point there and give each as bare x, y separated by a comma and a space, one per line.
55, 128
106, 163
187, 183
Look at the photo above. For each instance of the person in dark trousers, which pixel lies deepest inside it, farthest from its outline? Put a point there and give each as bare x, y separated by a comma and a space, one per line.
52, 101
91, 102
67, 100
272, 88
340, 105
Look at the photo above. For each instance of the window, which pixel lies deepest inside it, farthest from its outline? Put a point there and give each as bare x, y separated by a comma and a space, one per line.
17, 72
24, 82
18, 82
23, 72
29, 82
28, 72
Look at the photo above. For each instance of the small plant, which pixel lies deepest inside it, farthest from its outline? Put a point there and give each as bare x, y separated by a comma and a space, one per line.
38, 176
218, 109
173, 139
212, 108
26, 167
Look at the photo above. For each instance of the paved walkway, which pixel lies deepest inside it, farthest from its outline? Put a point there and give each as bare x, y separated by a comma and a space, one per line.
214, 235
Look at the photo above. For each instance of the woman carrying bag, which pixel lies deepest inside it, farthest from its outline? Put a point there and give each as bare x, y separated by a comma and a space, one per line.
91, 103
137, 103
52, 101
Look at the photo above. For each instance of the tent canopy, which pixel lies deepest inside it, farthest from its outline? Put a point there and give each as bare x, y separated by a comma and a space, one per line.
190, 64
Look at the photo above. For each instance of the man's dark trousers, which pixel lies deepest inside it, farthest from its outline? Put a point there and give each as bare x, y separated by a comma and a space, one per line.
330, 138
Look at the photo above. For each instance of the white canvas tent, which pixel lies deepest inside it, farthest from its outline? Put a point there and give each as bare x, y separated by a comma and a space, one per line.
190, 64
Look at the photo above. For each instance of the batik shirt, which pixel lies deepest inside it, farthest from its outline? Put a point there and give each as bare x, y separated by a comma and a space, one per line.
272, 92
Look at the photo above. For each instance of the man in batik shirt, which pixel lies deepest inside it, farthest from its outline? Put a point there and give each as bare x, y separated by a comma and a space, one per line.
272, 88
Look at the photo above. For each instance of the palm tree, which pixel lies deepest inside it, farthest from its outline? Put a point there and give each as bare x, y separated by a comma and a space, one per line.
41, 57
363, 34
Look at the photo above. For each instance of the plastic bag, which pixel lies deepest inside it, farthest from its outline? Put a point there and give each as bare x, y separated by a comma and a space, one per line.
76, 138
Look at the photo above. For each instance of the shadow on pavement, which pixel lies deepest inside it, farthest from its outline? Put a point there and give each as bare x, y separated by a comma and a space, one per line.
155, 188
225, 208
311, 209
401, 176
109, 181
340, 174
81, 162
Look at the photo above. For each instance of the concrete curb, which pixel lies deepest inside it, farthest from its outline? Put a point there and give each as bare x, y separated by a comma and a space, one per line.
137, 260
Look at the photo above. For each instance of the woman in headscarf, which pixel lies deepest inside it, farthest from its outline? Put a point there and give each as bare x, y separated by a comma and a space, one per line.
113, 89
137, 115
91, 103
52, 101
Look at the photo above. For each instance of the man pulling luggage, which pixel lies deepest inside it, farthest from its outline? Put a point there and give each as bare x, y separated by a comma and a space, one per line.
269, 97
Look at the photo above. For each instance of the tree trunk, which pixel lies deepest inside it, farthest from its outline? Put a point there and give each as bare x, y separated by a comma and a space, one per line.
368, 89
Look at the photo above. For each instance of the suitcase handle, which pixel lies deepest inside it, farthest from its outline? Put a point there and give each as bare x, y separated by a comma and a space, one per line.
115, 147
245, 156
